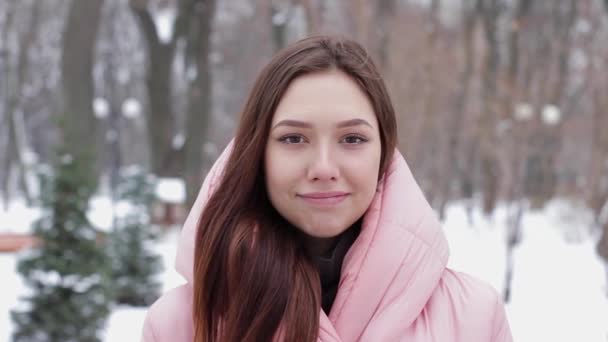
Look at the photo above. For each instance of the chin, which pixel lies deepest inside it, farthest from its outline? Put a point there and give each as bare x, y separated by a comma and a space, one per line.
326, 232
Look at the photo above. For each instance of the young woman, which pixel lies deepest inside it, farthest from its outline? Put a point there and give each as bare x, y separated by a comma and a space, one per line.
310, 226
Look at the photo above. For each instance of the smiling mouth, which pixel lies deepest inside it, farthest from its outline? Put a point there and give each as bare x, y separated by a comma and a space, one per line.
324, 199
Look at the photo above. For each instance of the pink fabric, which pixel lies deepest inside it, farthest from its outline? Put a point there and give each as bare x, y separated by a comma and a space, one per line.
394, 284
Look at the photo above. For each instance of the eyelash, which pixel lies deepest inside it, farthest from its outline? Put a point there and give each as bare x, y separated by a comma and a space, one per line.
284, 139
362, 139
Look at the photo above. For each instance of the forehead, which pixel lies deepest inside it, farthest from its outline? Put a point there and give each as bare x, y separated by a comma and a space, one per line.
328, 96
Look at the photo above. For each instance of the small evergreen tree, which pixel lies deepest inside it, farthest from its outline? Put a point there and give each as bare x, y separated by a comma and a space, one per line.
135, 267
68, 272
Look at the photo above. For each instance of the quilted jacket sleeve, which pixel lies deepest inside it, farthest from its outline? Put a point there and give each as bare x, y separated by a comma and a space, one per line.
148, 330
501, 332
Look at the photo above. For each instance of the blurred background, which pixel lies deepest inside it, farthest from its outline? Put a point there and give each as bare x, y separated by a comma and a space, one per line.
112, 111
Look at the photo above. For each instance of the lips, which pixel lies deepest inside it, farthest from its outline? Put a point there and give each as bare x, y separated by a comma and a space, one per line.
324, 198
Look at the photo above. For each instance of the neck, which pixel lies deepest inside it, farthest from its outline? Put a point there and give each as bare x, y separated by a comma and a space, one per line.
321, 247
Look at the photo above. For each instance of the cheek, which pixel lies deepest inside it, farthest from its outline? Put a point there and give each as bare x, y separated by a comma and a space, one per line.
364, 170
278, 171
367, 182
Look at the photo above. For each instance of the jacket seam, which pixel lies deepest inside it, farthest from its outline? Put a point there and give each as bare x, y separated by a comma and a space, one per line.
496, 307
402, 262
365, 258
151, 326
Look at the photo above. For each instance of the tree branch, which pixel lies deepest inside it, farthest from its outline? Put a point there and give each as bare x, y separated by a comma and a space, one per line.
140, 9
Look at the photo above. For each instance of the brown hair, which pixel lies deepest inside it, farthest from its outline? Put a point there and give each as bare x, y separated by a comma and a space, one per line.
251, 273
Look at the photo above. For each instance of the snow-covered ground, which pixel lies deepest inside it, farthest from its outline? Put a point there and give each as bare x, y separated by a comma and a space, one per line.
125, 322
558, 290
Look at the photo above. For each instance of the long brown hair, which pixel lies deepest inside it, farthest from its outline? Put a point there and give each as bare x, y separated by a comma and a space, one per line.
251, 272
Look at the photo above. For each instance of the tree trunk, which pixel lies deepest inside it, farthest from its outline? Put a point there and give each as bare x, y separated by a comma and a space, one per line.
519, 137
17, 133
199, 95
429, 111
385, 11
506, 295
115, 95
158, 84
514, 234
79, 125
314, 15
8, 154
552, 136
487, 122
279, 19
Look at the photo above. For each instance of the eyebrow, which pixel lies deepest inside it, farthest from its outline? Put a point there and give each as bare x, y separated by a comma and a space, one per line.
341, 124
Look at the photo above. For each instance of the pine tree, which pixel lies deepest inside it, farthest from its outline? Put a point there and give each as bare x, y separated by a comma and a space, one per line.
68, 272
134, 266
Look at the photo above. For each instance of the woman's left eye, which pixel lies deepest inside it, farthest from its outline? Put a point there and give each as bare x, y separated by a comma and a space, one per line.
354, 139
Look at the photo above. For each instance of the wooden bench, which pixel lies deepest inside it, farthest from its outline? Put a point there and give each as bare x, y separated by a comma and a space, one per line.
12, 242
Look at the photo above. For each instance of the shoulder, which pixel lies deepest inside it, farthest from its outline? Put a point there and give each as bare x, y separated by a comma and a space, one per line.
472, 305
170, 317
468, 288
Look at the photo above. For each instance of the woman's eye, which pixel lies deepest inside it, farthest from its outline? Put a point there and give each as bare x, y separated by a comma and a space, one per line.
292, 139
354, 139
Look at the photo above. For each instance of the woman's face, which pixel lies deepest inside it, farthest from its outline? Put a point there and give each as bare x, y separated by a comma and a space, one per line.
323, 154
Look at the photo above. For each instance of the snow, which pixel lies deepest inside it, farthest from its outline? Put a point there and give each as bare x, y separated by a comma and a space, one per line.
178, 141
17, 217
30, 157
12, 288
101, 108
66, 159
578, 59
551, 115
191, 72
523, 112
172, 190
280, 16
558, 289
582, 26
557, 297
102, 211
164, 19
124, 324
131, 108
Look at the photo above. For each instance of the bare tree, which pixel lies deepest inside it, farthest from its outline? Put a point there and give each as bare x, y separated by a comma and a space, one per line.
199, 94
491, 11
514, 164
597, 189
566, 14
17, 144
79, 38
430, 111
314, 15
455, 167
161, 129
192, 26
9, 151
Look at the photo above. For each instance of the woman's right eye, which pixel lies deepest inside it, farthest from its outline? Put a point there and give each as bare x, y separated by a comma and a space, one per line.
292, 139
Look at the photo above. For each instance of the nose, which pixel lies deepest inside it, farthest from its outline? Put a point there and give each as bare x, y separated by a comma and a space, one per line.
323, 166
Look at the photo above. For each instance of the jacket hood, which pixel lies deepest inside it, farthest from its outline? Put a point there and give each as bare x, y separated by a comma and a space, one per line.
388, 274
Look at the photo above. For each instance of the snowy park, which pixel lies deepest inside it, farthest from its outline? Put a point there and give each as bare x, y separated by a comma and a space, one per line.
113, 112
559, 290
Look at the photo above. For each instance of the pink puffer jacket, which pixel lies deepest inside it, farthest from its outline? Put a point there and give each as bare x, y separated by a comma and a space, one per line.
394, 284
